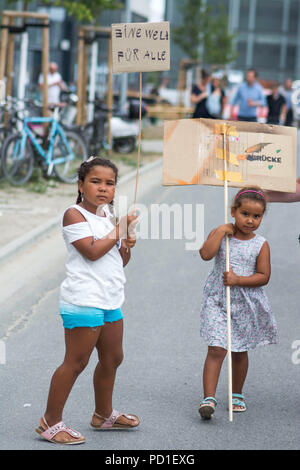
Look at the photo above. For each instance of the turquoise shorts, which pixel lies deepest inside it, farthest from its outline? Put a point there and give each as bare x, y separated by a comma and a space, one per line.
74, 316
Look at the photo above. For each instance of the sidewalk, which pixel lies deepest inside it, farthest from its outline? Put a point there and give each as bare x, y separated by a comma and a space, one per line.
26, 215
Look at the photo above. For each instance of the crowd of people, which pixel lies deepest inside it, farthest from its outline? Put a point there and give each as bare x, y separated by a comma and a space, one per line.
210, 99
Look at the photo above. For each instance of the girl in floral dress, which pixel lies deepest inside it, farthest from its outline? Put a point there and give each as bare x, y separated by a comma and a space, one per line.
252, 320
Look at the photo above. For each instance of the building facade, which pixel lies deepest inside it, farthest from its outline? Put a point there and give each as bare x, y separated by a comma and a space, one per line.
267, 35
63, 41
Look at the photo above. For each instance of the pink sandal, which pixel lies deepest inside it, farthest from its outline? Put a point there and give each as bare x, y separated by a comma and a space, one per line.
50, 433
110, 423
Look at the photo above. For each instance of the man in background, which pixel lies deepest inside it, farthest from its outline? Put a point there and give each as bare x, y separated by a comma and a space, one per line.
55, 84
249, 97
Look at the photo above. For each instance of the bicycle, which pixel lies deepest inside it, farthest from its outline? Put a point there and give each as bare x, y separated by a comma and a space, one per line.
59, 151
94, 132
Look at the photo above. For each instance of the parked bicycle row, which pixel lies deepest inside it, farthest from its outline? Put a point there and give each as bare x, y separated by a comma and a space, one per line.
30, 141
56, 143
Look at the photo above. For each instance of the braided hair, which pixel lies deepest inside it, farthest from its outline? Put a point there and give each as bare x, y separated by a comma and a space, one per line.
86, 167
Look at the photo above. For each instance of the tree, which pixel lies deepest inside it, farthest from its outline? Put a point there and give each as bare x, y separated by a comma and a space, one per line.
203, 34
81, 10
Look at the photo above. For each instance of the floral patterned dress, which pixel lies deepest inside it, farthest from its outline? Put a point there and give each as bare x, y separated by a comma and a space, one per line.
252, 320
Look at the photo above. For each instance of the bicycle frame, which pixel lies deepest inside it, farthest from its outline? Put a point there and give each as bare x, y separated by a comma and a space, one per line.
48, 154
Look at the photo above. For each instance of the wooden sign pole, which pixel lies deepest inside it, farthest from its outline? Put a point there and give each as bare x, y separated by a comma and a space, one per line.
227, 287
110, 98
139, 140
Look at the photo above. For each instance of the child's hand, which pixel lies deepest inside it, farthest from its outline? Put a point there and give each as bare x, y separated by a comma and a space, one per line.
227, 229
229, 278
129, 242
132, 220
128, 223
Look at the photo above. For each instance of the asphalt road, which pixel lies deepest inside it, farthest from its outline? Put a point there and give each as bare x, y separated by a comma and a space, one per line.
161, 376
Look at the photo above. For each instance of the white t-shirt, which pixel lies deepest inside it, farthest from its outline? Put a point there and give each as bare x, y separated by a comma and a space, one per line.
88, 283
53, 91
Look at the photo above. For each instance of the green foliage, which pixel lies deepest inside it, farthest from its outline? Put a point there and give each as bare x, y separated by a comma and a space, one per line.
79, 9
189, 35
204, 35
219, 44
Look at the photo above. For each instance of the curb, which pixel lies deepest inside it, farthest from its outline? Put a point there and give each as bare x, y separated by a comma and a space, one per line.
25, 240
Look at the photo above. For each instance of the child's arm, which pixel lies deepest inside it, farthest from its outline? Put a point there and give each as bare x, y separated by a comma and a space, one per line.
277, 196
125, 249
95, 249
211, 246
260, 278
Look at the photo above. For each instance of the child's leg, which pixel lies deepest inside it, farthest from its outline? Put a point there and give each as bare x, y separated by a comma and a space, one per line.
110, 352
80, 343
239, 371
212, 368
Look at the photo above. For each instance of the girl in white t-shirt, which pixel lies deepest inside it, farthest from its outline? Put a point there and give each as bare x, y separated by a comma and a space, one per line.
91, 297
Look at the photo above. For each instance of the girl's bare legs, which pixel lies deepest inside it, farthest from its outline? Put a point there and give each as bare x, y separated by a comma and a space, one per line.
239, 372
80, 343
110, 352
212, 368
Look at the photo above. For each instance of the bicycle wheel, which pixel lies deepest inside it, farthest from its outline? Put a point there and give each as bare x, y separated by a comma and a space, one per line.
66, 170
16, 168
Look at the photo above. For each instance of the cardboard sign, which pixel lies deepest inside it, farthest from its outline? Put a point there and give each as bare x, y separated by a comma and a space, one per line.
140, 47
257, 154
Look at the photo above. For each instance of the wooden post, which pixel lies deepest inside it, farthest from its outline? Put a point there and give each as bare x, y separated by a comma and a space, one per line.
8, 49
10, 60
3, 50
109, 96
82, 76
9, 66
84, 81
45, 66
79, 74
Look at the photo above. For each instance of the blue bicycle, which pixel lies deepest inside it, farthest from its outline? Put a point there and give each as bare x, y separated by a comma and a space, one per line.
59, 151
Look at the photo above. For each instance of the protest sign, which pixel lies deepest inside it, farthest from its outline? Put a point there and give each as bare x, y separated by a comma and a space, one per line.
256, 154
140, 47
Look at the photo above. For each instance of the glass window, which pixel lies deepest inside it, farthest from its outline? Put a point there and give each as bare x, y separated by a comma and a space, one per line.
291, 55
266, 56
293, 16
241, 57
244, 14
269, 15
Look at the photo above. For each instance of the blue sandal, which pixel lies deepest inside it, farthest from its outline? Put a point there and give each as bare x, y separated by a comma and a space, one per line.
238, 400
207, 407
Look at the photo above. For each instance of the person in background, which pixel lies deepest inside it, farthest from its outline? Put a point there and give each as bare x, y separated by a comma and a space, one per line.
216, 100
249, 97
276, 106
55, 83
286, 91
199, 95
278, 196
